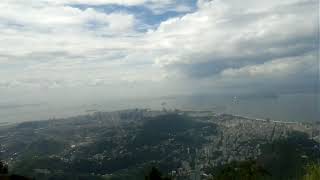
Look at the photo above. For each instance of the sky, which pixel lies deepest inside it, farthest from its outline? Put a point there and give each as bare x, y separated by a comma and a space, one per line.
67, 51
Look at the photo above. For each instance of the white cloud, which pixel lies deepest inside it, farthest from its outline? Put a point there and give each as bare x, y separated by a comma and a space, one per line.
50, 44
51, 18
29, 30
275, 69
218, 32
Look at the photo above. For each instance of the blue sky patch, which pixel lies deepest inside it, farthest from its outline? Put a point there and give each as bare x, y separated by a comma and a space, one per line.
147, 17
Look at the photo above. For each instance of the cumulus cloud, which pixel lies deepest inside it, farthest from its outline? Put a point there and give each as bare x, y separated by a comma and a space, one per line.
221, 45
220, 35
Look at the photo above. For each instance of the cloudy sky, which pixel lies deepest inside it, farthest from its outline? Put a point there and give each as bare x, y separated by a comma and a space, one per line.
77, 49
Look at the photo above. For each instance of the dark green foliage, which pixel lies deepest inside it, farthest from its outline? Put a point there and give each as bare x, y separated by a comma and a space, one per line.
282, 159
27, 165
97, 147
3, 168
162, 127
312, 172
44, 147
13, 177
167, 126
169, 123
287, 158
4, 173
155, 174
246, 170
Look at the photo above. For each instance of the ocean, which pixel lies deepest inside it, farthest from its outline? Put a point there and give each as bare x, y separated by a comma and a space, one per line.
288, 107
